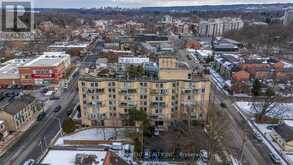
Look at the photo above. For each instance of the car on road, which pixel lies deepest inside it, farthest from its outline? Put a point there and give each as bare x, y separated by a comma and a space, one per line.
29, 162
69, 112
223, 105
41, 116
275, 158
204, 155
58, 108
54, 98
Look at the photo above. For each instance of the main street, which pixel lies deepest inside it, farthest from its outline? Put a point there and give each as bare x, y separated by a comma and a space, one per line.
33, 142
254, 152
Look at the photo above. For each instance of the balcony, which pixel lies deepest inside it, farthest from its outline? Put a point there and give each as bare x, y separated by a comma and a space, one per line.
127, 104
161, 92
128, 91
188, 104
160, 104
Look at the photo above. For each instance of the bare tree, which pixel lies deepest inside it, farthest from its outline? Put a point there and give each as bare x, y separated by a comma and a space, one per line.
216, 130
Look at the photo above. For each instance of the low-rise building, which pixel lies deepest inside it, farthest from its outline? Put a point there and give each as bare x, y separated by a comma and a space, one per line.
48, 68
3, 130
20, 112
283, 135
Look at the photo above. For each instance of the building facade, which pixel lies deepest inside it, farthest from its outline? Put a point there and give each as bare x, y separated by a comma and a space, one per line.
20, 112
174, 96
218, 26
288, 17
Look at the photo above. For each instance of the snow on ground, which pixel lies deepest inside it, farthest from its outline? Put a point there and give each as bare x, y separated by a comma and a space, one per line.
67, 157
285, 109
271, 144
96, 134
245, 109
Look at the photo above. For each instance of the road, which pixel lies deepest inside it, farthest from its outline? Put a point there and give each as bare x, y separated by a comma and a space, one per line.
32, 143
254, 152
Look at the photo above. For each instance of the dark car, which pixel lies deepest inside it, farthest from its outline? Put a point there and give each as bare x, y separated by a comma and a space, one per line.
58, 108
54, 98
69, 112
41, 116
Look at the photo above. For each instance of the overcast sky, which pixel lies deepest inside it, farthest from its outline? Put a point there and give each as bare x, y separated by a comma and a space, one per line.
140, 3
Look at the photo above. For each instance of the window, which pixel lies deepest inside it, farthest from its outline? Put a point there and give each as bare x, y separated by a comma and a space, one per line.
203, 90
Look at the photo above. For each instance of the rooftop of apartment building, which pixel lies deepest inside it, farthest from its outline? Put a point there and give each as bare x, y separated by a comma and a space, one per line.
17, 104
143, 71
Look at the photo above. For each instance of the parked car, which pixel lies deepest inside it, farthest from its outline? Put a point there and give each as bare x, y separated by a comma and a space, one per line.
156, 132
58, 108
258, 136
117, 146
270, 127
223, 105
41, 116
275, 158
29, 162
204, 155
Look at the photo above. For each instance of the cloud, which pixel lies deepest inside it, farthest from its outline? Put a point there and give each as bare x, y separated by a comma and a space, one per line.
140, 3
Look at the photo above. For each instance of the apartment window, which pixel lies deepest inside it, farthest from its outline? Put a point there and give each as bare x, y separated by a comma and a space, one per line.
92, 84
82, 84
189, 97
145, 103
189, 76
203, 90
174, 84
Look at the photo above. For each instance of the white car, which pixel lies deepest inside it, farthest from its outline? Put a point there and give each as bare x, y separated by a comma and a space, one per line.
204, 155
29, 162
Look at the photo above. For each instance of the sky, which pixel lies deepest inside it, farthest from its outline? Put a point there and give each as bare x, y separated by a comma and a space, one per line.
141, 3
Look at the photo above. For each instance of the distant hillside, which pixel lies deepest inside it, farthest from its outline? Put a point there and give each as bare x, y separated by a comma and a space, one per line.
239, 8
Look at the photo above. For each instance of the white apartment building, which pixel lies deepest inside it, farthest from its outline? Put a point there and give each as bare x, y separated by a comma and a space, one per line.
217, 26
288, 17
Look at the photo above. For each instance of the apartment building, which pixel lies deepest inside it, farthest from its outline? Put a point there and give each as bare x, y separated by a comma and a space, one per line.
218, 26
288, 17
175, 95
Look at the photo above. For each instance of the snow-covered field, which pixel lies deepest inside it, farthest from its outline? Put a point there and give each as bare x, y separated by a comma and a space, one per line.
282, 110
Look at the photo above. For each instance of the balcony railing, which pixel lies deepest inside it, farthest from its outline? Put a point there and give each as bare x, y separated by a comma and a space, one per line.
128, 91
159, 92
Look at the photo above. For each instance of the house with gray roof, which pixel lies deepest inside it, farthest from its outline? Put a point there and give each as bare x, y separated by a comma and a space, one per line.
20, 112
283, 135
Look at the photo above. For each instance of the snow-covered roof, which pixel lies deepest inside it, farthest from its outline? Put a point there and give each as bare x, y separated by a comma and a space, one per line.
67, 157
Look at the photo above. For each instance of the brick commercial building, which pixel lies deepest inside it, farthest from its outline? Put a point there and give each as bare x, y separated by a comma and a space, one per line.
48, 68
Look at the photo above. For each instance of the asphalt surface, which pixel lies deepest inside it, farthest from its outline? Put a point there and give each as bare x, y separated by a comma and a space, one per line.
254, 152
35, 140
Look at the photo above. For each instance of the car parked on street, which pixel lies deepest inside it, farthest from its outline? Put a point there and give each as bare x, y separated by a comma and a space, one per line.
41, 116
275, 158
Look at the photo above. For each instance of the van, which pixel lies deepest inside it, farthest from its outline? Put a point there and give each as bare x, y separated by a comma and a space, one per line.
116, 146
